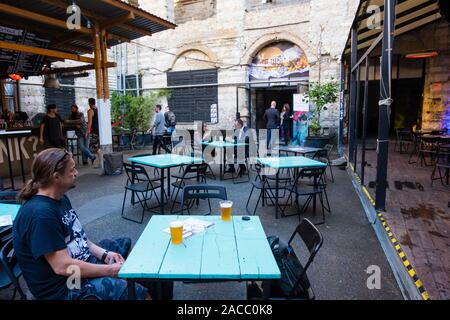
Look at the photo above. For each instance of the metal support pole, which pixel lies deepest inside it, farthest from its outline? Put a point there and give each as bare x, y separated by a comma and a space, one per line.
385, 103
341, 110
365, 107
358, 102
351, 131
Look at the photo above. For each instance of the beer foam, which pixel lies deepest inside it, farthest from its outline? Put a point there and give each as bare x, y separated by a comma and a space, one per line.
228, 204
176, 224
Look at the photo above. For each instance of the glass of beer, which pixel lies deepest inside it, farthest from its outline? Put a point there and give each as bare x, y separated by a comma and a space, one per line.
176, 232
225, 209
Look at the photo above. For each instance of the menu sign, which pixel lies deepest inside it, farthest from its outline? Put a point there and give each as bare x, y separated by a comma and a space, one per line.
20, 62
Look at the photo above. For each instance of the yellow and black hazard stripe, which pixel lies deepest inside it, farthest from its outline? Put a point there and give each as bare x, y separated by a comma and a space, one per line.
404, 259
397, 247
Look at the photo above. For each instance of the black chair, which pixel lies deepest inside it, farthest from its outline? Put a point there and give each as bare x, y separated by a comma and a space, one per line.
155, 170
323, 155
266, 186
191, 174
442, 163
427, 148
9, 270
404, 138
312, 188
139, 182
301, 288
201, 191
5, 235
8, 197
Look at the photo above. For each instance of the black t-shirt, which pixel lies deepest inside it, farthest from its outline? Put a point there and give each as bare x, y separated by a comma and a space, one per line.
52, 129
44, 225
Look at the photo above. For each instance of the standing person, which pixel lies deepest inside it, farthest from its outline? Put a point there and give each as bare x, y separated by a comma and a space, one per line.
92, 132
158, 125
240, 135
285, 117
272, 116
51, 245
81, 128
169, 120
51, 128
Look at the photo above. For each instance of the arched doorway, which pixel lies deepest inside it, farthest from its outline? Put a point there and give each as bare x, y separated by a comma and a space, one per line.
276, 73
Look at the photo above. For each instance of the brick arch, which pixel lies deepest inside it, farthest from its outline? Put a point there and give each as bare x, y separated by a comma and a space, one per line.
211, 55
262, 42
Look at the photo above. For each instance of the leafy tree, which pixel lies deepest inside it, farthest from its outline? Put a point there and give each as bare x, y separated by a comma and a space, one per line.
321, 95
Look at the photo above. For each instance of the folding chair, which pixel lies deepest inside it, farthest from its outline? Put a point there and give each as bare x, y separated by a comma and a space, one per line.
9, 270
295, 286
442, 163
202, 191
139, 182
192, 174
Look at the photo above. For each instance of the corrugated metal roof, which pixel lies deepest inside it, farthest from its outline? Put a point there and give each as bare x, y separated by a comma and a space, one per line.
410, 15
92, 10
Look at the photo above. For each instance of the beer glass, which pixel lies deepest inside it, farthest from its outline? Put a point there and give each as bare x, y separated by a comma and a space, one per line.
176, 232
225, 210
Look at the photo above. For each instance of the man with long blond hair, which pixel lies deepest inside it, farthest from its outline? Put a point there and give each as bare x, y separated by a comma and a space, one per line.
51, 246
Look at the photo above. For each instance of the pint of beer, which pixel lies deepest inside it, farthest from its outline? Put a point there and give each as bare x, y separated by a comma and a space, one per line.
176, 232
225, 210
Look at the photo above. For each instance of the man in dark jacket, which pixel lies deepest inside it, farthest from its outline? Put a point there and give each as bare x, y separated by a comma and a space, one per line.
272, 116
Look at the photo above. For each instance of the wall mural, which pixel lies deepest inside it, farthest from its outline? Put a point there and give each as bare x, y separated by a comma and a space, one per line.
279, 60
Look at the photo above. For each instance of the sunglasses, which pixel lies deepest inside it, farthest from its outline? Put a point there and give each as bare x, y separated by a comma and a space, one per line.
61, 159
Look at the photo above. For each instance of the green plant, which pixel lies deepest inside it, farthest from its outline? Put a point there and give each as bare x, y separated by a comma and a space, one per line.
321, 95
134, 112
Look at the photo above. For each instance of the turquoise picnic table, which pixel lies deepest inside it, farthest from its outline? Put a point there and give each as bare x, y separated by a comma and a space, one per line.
295, 163
225, 251
222, 145
165, 162
9, 210
297, 150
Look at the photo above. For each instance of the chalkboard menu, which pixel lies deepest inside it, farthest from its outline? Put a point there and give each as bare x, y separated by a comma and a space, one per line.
62, 97
20, 62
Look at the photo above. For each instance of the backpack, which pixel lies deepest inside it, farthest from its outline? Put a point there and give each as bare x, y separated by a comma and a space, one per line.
172, 121
290, 269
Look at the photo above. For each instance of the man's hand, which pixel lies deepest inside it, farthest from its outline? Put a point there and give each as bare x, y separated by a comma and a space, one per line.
113, 257
41, 141
114, 269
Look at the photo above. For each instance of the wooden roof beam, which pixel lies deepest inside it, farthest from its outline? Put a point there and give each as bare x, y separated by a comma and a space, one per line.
78, 69
38, 17
139, 12
144, 32
44, 52
63, 5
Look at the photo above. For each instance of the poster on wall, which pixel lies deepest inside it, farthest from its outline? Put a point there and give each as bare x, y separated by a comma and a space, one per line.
301, 102
279, 60
214, 114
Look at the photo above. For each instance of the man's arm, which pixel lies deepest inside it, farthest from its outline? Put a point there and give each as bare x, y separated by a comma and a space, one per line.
41, 133
90, 116
60, 261
99, 251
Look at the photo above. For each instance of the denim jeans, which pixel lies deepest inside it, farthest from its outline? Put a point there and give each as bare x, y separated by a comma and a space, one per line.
84, 147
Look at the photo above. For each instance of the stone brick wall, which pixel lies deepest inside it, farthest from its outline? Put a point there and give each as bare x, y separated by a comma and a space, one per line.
233, 36
436, 106
187, 10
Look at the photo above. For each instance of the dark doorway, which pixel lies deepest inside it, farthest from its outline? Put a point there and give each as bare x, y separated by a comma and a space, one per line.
265, 96
406, 109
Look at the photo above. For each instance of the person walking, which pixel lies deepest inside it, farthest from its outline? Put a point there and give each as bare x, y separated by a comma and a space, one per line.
272, 116
158, 126
81, 128
285, 118
92, 132
51, 128
169, 120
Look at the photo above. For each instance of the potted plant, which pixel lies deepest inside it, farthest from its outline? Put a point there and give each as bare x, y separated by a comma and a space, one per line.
134, 113
321, 95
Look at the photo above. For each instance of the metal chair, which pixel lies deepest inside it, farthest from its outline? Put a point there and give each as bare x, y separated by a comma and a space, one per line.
266, 187
442, 163
309, 190
9, 270
192, 174
202, 191
329, 148
8, 197
301, 288
139, 182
